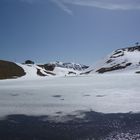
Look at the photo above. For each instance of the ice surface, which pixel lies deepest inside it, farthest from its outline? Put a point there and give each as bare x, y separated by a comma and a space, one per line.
111, 93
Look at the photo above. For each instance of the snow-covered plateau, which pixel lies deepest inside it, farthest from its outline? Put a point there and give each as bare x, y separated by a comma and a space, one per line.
107, 93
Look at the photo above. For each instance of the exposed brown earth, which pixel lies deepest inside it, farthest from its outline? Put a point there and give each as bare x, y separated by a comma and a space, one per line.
10, 70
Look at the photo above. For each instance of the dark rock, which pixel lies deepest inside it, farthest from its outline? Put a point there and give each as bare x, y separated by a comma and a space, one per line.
10, 70
49, 67
138, 72
29, 62
40, 73
71, 72
56, 96
116, 67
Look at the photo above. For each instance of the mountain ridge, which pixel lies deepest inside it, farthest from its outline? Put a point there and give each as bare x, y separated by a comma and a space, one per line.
31, 70
124, 60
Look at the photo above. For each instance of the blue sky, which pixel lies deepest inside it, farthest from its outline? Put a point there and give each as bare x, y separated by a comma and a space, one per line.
81, 31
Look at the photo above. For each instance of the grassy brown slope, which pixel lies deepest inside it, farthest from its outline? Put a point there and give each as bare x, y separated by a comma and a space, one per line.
10, 70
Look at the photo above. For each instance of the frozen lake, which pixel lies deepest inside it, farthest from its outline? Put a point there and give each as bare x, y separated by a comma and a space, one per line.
97, 107
69, 95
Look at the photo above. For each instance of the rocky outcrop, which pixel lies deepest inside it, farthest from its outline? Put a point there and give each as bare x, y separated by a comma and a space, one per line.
10, 70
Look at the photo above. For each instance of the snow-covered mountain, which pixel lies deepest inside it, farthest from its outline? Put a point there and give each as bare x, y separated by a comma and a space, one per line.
70, 65
52, 69
31, 70
125, 60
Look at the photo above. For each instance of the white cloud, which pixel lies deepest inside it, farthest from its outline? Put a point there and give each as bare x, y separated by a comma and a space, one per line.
105, 4
62, 6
